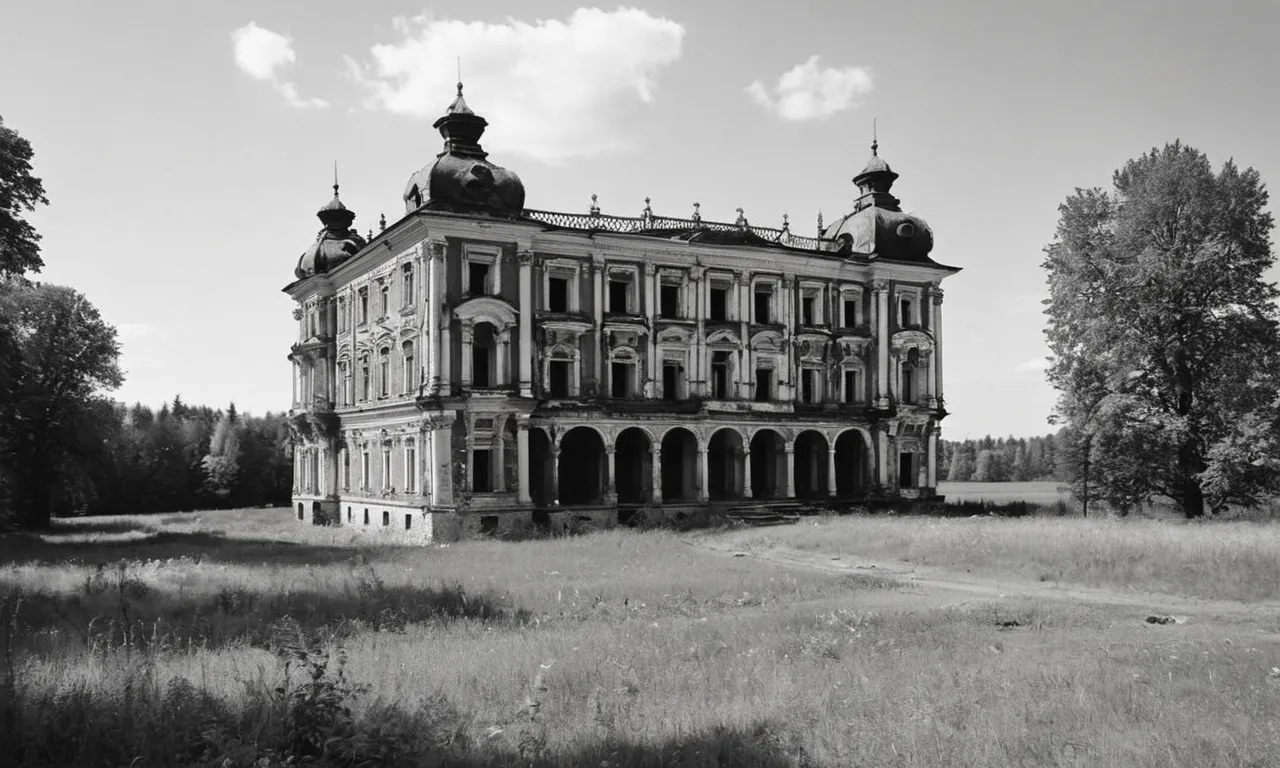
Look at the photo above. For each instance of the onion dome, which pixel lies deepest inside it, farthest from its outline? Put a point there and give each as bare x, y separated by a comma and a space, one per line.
878, 228
461, 178
335, 243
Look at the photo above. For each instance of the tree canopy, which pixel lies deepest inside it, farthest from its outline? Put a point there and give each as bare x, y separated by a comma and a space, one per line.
20, 192
1164, 333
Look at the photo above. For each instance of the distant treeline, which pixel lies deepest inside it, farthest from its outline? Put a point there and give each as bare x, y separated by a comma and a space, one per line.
180, 458
1005, 459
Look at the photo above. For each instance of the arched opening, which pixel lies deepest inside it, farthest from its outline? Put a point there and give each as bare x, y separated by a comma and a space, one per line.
768, 465
851, 464
484, 362
540, 467
679, 465
581, 467
317, 516
634, 464
724, 465
811, 465
302, 513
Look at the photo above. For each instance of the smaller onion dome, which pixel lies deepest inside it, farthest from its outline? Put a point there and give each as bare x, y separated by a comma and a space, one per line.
878, 227
461, 178
335, 243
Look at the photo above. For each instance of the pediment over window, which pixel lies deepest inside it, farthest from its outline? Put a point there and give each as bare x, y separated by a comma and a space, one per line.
724, 336
674, 336
487, 309
767, 341
911, 338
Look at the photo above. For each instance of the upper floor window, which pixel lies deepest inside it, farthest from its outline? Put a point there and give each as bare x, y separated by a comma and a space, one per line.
622, 375
342, 314
669, 296
852, 387
558, 294
384, 291
560, 285
362, 300
764, 385
673, 380
481, 275
811, 309
410, 466
850, 305
810, 385
718, 311
763, 305
908, 310
621, 292
410, 370
719, 375
406, 285
384, 371
364, 378
559, 373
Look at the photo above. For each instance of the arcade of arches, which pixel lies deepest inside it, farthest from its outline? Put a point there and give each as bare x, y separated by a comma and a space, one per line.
582, 466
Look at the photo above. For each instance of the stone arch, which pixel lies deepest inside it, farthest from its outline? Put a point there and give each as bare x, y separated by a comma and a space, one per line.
633, 463
811, 464
725, 461
581, 458
853, 463
487, 309
768, 464
679, 465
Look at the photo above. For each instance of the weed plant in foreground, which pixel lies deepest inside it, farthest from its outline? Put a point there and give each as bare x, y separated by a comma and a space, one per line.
618, 649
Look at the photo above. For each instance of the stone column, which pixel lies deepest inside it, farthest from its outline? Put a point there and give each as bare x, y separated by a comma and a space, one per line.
503, 353
704, 492
525, 349
701, 308
597, 309
499, 460
936, 369
932, 458
555, 475
522, 460
881, 291
610, 475
747, 492
648, 372
655, 452
435, 301
831, 468
882, 456
442, 469
790, 448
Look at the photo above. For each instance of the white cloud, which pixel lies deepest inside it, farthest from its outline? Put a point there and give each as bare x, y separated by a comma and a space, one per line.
264, 55
550, 90
806, 92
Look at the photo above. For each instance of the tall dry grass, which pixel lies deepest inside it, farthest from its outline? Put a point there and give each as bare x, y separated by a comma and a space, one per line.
617, 649
1222, 560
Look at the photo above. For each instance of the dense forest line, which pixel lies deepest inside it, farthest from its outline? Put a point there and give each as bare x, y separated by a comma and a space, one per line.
1007, 459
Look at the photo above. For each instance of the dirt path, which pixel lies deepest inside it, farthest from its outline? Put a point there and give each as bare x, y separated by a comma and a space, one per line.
934, 587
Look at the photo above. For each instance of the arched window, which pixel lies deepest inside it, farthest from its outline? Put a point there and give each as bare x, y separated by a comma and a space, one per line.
410, 371
364, 377
384, 371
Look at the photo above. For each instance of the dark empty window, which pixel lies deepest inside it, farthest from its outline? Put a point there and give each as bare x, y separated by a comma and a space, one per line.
764, 385
906, 470
670, 381
670, 301
477, 278
619, 379
618, 296
906, 312
364, 305
560, 370
481, 482
408, 521
366, 515
720, 375
386, 517
719, 304
908, 385
479, 366
851, 386
850, 313
763, 294
558, 300
807, 309
808, 385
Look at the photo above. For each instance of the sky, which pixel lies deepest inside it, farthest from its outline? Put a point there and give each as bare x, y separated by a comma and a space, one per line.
186, 147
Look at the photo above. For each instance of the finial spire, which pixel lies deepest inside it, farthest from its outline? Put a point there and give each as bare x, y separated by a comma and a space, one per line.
459, 75
875, 139
335, 178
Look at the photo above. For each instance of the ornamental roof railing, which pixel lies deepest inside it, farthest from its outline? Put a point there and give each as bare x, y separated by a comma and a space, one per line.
649, 223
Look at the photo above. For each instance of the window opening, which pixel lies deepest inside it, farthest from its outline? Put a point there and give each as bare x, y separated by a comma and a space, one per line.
560, 378
906, 312
477, 278
807, 306
720, 375
481, 482
618, 296
851, 386
670, 381
764, 385
558, 295
620, 379
850, 313
406, 283
808, 385
408, 521
906, 470
670, 301
763, 295
719, 304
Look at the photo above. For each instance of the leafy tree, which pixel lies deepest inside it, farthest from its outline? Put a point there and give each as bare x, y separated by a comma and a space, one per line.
60, 356
1164, 331
20, 192
222, 464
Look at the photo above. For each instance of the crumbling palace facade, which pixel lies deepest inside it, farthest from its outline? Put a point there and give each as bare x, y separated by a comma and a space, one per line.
478, 364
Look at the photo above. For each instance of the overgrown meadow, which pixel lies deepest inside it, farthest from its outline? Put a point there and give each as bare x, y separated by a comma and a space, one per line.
245, 639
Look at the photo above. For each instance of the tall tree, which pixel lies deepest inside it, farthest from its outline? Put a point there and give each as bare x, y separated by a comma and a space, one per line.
20, 192
63, 356
1165, 332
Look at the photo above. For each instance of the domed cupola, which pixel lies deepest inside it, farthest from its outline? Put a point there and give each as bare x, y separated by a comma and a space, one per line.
878, 228
462, 179
335, 243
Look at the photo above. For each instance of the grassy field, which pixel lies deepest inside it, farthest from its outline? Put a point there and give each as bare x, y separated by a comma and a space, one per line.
1003, 493
243, 639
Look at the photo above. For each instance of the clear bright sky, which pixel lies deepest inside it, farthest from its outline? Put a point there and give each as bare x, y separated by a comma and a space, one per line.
185, 147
